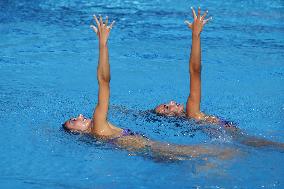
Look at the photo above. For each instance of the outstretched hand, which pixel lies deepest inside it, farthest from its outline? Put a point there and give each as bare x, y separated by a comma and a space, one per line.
198, 22
102, 30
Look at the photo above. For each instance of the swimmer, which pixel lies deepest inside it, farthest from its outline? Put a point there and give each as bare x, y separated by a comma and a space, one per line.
192, 109
102, 129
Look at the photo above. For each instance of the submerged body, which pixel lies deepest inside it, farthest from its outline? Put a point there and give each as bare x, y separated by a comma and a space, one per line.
139, 143
101, 128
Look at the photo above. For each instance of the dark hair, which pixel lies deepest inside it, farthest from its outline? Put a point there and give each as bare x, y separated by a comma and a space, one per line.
153, 111
65, 128
69, 131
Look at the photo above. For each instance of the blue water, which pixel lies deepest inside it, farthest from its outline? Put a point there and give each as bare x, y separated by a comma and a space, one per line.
48, 64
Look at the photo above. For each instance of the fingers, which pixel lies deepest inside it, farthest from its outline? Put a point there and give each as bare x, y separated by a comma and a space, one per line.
198, 13
205, 21
94, 28
193, 13
106, 22
188, 23
101, 20
111, 25
101, 24
97, 22
204, 15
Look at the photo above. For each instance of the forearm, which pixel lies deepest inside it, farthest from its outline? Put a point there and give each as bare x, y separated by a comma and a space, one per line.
195, 55
195, 68
103, 71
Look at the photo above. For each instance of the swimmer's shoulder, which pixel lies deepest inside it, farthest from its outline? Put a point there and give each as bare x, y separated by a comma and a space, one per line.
108, 130
201, 117
227, 125
115, 128
214, 120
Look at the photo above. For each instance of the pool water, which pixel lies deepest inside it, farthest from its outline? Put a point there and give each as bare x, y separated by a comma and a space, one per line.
48, 62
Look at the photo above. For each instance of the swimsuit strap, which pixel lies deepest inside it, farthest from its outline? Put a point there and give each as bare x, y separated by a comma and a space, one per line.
125, 132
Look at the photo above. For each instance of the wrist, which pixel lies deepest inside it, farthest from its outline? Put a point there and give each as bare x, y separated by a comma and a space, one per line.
195, 35
102, 44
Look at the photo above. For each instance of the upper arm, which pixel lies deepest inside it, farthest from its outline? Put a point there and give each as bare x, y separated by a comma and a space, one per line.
193, 101
101, 111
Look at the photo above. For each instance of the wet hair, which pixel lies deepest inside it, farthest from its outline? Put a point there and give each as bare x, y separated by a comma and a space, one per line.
164, 114
159, 114
69, 131
153, 111
65, 128
153, 116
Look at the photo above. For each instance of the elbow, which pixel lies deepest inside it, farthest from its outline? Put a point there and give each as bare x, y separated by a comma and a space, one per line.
103, 79
195, 69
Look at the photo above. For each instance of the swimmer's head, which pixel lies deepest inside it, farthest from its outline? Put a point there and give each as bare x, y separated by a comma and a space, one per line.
79, 124
170, 109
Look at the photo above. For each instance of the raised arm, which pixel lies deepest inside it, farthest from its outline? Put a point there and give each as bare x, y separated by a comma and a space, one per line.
193, 101
100, 123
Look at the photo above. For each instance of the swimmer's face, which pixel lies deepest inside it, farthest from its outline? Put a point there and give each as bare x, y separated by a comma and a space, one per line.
170, 109
79, 124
